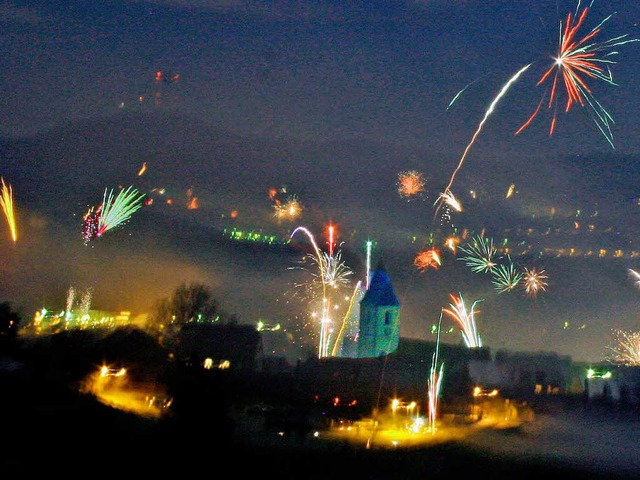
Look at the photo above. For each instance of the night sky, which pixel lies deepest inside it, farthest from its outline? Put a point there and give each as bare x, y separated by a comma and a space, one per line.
327, 101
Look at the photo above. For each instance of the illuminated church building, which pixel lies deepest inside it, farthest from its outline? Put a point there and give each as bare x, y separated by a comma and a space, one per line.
378, 318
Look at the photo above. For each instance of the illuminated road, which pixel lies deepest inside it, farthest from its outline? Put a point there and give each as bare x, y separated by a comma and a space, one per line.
115, 390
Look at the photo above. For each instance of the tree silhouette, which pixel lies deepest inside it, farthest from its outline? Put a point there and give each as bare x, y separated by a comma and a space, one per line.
9, 323
193, 303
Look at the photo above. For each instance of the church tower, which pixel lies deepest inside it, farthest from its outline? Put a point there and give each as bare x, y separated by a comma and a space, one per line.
379, 317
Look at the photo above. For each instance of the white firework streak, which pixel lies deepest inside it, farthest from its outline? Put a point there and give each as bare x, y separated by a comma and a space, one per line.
635, 276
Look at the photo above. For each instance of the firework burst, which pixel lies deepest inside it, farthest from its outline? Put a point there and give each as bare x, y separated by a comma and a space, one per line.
447, 198
506, 278
328, 276
333, 271
466, 319
577, 61
427, 259
627, 349
534, 281
290, 209
411, 184
480, 254
452, 244
113, 212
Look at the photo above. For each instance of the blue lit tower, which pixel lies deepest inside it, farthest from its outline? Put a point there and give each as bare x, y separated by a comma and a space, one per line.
379, 317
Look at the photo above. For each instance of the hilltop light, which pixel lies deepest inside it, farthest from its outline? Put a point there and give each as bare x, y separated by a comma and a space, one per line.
591, 373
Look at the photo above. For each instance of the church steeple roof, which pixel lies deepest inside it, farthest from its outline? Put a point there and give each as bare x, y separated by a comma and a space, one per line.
380, 290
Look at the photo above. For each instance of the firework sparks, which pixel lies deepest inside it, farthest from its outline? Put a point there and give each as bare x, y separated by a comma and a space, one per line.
117, 210
335, 271
290, 209
317, 258
192, 200
355, 296
452, 244
534, 281
90, 224
447, 191
286, 206
448, 199
627, 349
84, 304
635, 276
466, 319
113, 211
577, 61
411, 184
427, 259
6, 201
331, 273
455, 98
510, 191
480, 254
506, 278
71, 298
369, 248
434, 382
77, 307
